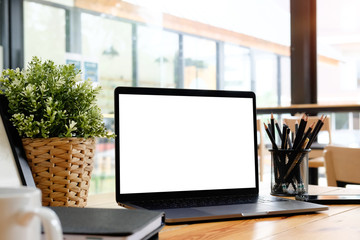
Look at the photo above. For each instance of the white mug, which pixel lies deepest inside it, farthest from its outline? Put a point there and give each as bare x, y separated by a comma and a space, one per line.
20, 215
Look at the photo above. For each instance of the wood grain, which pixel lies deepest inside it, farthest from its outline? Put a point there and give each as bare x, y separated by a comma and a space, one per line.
339, 222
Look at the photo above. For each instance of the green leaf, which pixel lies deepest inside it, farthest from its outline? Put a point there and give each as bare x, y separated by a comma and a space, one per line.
48, 100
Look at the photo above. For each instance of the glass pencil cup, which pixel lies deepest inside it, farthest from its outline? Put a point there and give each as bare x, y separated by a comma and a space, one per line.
289, 172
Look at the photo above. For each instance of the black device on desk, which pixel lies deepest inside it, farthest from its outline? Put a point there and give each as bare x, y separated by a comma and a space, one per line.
107, 223
330, 199
191, 154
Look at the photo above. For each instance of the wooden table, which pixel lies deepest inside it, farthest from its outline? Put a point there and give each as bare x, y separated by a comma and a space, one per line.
339, 222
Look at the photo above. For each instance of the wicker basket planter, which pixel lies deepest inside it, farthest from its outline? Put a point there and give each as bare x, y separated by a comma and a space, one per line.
61, 168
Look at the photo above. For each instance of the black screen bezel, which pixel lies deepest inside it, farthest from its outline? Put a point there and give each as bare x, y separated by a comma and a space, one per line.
122, 198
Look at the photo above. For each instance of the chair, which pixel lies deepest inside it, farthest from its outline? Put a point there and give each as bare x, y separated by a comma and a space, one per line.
261, 148
342, 165
316, 156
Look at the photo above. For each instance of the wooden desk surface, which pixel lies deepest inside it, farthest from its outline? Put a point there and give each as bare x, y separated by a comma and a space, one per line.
339, 222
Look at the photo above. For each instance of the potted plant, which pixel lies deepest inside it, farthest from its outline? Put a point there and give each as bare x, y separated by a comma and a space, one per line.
56, 114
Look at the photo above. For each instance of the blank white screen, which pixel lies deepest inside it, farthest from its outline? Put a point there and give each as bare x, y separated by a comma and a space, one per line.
180, 143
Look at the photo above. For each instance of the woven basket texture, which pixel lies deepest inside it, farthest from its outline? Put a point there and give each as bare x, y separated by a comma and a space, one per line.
61, 168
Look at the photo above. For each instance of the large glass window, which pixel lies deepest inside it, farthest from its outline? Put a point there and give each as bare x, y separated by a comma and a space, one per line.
338, 39
266, 78
44, 32
199, 63
338, 44
107, 43
232, 45
237, 68
157, 52
285, 80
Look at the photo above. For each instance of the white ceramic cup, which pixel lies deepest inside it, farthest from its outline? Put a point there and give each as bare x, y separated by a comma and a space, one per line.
21, 213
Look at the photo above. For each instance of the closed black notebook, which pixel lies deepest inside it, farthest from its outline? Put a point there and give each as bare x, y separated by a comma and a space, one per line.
109, 223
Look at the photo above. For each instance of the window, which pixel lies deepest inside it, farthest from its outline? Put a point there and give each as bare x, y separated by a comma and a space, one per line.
157, 57
237, 68
44, 32
285, 80
231, 45
107, 42
338, 45
266, 78
200, 63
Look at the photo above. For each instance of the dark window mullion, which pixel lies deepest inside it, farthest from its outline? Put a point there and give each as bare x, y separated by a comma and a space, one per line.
14, 34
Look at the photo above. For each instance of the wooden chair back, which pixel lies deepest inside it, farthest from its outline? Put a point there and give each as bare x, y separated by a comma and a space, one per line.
261, 147
315, 152
342, 165
290, 121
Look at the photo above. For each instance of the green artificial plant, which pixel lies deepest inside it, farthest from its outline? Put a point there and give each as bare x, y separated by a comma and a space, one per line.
48, 100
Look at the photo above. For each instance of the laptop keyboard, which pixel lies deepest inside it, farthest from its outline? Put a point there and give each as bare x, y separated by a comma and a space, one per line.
203, 201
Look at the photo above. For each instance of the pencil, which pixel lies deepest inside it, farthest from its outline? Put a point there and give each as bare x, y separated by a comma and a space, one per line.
288, 138
278, 128
300, 132
307, 134
270, 137
316, 130
297, 159
273, 126
284, 137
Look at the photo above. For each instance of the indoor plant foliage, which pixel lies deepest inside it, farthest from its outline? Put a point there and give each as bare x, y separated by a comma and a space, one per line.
48, 100
56, 114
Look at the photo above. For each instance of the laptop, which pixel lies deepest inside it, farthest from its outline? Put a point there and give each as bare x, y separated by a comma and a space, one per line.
191, 154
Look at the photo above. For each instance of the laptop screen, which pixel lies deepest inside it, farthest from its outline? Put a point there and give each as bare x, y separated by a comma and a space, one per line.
173, 141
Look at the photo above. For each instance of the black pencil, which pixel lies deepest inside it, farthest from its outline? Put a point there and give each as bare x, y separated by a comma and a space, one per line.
316, 130
278, 128
307, 134
284, 137
288, 138
270, 137
300, 132
296, 160
273, 126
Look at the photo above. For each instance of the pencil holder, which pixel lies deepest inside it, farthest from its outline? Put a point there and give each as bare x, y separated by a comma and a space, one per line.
289, 172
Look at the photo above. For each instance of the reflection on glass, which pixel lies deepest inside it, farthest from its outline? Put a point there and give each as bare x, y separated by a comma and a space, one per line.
44, 32
265, 79
157, 55
237, 69
199, 63
108, 42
